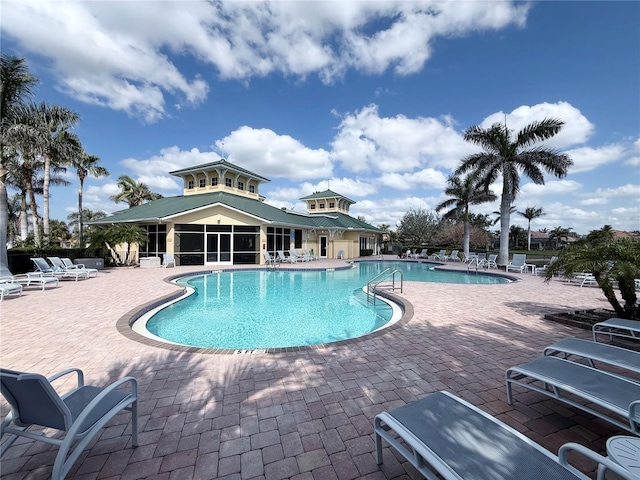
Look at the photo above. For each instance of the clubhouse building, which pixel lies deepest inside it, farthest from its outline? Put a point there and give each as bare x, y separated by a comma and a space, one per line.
221, 219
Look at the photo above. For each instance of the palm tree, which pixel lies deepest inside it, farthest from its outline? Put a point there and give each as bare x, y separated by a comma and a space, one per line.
512, 210
509, 159
517, 232
531, 213
132, 192
464, 192
559, 233
56, 144
16, 83
87, 215
86, 165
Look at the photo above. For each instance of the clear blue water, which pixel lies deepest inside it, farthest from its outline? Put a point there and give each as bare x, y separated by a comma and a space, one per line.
257, 309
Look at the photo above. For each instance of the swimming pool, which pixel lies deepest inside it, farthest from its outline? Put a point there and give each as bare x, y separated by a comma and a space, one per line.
265, 309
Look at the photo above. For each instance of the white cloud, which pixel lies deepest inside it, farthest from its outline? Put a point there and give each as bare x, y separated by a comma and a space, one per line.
123, 55
587, 158
423, 179
366, 141
576, 130
262, 150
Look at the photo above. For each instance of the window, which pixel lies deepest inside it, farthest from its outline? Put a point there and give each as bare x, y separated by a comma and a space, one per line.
313, 206
227, 182
202, 183
332, 205
240, 185
156, 241
252, 189
322, 205
297, 239
214, 182
190, 185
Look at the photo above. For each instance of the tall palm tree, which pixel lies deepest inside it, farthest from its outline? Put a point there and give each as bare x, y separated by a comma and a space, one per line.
559, 233
87, 215
56, 144
16, 83
531, 213
464, 192
86, 165
509, 158
132, 192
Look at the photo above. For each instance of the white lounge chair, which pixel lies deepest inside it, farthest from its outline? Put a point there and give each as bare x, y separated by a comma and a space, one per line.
69, 265
340, 254
271, 261
423, 253
518, 262
617, 327
445, 437
167, 260
470, 257
556, 378
490, 262
7, 287
441, 255
59, 270
80, 413
284, 259
543, 269
27, 279
453, 256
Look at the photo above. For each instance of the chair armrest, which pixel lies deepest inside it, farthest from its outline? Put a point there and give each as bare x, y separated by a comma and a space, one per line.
634, 416
66, 372
596, 457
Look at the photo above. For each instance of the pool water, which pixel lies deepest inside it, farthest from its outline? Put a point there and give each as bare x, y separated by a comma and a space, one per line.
260, 309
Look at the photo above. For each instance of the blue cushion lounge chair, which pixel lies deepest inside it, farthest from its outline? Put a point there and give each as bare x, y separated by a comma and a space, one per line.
7, 287
69, 265
452, 439
595, 352
27, 279
58, 271
518, 262
569, 382
81, 413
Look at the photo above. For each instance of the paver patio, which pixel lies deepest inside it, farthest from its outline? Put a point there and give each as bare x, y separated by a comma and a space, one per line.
300, 415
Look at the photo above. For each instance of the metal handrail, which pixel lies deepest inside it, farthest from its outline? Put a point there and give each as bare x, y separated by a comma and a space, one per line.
373, 284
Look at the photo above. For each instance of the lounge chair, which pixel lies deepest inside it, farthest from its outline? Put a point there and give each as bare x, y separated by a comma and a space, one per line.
445, 437
302, 255
310, 255
423, 254
617, 327
518, 262
58, 269
284, 259
27, 279
270, 261
470, 257
81, 413
595, 352
543, 269
69, 265
453, 256
442, 255
167, 259
490, 262
340, 254
556, 377
583, 279
8, 287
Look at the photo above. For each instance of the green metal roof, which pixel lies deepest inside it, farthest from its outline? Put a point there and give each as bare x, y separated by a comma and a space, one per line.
325, 194
165, 208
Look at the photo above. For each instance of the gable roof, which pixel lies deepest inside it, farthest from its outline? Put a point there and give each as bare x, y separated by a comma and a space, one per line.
165, 209
326, 194
222, 163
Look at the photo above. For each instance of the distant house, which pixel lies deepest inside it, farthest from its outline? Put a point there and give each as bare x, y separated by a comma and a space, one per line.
540, 241
221, 219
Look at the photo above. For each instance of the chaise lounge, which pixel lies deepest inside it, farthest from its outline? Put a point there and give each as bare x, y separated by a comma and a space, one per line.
443, 436
27, 279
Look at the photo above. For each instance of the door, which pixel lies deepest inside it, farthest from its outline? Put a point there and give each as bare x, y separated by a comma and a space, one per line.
323, 246
218, 248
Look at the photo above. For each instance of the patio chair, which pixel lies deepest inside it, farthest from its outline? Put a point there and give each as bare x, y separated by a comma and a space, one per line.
310, 254
167, 259
470, 257
8, 287
58, 269
80, 413
442, 255
443, 436
282, 258
569, 382
543, 269
69, 265
423, 254
490, 262
518, 262
270, 261
454, 257
27, 279
340, 254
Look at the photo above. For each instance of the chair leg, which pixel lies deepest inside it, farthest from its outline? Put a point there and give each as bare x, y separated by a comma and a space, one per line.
134, 423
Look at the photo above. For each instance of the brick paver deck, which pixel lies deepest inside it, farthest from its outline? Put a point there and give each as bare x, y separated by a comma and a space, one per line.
300, 415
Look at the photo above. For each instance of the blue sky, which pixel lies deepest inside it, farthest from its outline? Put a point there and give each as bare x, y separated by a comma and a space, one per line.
368, 98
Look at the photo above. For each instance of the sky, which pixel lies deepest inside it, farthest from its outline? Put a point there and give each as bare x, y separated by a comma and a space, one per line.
368, 98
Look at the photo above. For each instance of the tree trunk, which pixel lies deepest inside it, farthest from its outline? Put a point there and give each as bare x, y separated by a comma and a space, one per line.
34, 208
4, 217
505, 207
45, 195
529, 236
24, 219
465, 239
80, 226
